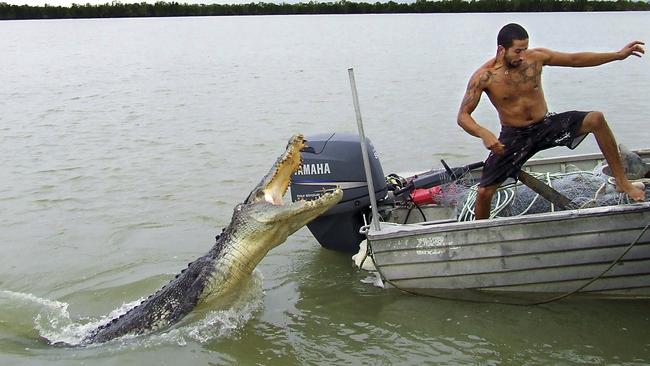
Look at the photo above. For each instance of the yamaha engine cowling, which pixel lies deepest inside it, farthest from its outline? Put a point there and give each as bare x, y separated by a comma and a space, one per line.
332, 160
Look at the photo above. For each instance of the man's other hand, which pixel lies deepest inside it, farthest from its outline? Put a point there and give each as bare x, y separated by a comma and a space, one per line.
493, 144
633, 48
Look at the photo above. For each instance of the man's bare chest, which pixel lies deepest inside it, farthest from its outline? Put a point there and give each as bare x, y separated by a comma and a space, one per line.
509, 83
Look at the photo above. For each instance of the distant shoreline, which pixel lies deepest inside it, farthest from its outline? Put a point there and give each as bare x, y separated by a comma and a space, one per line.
175, 9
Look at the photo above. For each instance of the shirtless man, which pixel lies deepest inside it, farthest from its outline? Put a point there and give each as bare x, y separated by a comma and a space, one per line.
513, 82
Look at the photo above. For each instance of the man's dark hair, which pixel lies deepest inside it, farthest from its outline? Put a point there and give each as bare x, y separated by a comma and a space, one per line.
510, 33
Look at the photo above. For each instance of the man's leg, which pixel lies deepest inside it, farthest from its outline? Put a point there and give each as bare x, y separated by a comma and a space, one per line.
595, 123
484, 201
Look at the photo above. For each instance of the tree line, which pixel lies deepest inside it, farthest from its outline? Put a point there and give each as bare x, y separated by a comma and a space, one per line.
170, 9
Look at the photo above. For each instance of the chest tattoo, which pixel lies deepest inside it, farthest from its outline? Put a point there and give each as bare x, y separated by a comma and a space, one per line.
527, 75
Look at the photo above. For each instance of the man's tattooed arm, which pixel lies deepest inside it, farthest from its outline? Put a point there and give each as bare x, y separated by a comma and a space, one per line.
474, 90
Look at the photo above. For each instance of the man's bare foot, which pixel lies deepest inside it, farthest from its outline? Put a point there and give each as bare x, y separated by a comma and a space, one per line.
636, 190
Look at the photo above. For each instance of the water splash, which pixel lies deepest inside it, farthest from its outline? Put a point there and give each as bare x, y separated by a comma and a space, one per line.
53, 323
216, 324
58, 328
22, 308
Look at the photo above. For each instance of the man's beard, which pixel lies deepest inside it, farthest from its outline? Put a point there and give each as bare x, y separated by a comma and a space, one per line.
512, 64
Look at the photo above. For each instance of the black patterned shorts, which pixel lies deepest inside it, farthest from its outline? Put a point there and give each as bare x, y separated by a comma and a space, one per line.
521, 143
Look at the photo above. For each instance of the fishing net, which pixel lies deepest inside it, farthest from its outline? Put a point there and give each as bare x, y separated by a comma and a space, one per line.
586, 189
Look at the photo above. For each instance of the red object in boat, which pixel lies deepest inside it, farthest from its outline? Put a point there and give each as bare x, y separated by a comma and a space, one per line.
426, 196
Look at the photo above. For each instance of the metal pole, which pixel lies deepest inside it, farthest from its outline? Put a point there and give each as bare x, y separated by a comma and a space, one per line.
364, 153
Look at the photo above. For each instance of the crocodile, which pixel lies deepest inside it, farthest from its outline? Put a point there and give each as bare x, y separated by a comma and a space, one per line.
262, 222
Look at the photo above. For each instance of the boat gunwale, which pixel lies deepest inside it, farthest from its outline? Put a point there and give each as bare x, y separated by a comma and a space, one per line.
644, 152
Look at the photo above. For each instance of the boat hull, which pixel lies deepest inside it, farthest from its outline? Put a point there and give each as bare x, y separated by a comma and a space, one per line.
546, 253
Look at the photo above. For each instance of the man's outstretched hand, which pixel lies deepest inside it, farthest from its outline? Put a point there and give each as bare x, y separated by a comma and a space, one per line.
633, 48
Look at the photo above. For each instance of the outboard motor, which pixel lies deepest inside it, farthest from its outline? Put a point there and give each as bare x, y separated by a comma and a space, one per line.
332, 160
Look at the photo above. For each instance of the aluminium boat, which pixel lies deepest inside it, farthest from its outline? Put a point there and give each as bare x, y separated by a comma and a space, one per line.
423, 245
